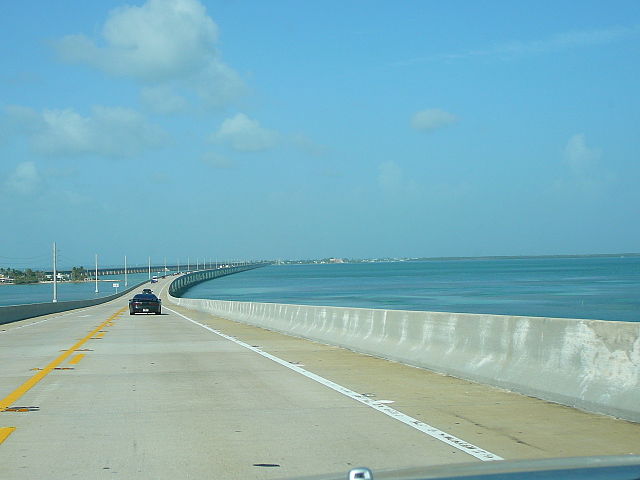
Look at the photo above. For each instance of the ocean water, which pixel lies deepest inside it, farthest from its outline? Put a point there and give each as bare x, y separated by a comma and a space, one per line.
604, 288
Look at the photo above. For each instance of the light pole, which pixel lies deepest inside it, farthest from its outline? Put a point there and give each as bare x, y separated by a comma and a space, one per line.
96, 273
55, 274
125, 272
149, 268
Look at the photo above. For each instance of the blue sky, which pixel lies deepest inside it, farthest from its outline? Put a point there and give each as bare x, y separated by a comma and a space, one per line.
287, 129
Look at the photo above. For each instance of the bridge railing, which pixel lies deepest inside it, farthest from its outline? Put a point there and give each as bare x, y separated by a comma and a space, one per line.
185, 282
153, 269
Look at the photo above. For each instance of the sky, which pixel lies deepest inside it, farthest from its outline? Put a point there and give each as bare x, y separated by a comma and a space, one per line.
288, 130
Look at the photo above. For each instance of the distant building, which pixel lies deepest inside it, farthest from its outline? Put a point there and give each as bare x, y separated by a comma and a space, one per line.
336, 260
61, 277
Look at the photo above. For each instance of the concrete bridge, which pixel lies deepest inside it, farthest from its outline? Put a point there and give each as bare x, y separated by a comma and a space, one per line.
97, 392
157, 269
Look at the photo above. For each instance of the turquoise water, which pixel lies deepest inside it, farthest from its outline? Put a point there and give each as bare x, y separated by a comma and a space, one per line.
43, 292
586, 287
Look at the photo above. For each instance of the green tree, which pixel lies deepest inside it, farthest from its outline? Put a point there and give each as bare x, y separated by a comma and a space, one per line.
78, 274
28, 276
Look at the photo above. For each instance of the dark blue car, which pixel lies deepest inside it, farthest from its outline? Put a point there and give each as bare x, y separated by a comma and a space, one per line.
145, 303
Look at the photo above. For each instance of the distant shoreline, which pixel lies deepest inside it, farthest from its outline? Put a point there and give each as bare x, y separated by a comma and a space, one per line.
61, 282
523, 257
342, 260
426, 259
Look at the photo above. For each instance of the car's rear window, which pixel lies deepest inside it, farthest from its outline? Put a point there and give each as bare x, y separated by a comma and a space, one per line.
141, 296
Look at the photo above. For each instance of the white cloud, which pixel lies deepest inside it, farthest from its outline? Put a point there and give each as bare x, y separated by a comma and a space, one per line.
162, 99
24, 180
584, 173
160, 39
216, 160
396, 185
331, 173
567, 40
431, 119
72, 197
161, 43
218, 85
554, 43
245, 135
307, 145
390, 176
581, 159
110, 131
161, 178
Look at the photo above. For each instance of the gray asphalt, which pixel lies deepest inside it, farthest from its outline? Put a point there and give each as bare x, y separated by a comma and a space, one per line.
162, 397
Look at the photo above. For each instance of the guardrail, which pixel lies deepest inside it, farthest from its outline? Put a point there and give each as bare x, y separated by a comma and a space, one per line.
185, 282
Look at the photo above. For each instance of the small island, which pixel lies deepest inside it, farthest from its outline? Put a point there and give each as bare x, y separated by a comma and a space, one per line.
12, 276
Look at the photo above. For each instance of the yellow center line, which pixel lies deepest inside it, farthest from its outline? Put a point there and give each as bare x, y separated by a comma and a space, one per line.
5, 432
100, 335
76, 359
26, 386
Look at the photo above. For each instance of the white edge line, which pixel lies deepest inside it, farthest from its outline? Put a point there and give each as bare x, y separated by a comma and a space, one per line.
445, 437
40, 321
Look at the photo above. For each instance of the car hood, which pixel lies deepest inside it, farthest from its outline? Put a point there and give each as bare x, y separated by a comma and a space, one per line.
625, 467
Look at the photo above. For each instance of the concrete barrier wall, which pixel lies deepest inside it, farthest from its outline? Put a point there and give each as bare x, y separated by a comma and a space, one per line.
184, 282
589, 364
13, 313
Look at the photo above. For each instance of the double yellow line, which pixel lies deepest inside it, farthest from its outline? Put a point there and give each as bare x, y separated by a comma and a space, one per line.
26, 386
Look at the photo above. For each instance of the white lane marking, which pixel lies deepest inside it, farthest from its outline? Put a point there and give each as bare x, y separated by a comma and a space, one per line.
165, 286
41, 321
445, 437
28, 325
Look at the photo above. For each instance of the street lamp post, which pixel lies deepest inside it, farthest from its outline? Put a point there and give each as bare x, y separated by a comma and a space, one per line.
96, 273
55, 274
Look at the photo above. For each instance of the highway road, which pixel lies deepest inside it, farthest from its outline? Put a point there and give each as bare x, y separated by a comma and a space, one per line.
97, 393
